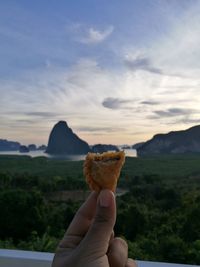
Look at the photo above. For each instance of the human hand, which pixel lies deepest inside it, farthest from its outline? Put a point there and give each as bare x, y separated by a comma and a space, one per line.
89, 241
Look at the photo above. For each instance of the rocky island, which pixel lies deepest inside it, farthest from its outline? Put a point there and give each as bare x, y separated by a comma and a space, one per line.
100, 148
23, 149
63, 141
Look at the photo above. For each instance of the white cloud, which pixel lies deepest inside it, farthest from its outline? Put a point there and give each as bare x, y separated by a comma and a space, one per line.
175, 52
178, 50
88, 35
117, 103
141, 63
94, 36
167, 71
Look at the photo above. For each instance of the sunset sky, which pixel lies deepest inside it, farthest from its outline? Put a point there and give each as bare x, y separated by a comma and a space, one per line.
117, 71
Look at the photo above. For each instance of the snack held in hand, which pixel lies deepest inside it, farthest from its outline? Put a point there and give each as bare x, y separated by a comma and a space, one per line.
102, 170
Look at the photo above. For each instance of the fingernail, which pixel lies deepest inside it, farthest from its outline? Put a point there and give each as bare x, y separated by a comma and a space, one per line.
105, 198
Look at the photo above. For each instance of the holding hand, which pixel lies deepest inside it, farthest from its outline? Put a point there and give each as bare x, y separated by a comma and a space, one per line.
89, 240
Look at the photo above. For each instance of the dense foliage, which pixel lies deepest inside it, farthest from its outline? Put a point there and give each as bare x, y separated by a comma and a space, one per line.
159, 214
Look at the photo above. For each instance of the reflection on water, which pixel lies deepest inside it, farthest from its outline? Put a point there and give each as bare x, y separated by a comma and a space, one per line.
130, 152
38, 153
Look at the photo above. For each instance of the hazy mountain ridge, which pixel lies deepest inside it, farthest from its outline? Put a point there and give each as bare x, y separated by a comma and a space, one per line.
62, 140
6, 145
175, 142
100, 148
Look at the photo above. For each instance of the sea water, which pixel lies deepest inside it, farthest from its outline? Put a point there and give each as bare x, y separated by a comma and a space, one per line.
39, 153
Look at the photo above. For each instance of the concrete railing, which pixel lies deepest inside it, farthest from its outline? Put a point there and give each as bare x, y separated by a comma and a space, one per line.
20, 258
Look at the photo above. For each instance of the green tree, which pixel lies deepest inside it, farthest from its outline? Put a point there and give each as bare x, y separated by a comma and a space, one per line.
191, 227
5, 180
21, 213
172, 249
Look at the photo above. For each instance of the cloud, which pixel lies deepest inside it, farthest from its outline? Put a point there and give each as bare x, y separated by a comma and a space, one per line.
173, 112
141, 63
150, 102
180, 42
42, 114
188, 121
175, 50
191, 119
115, 103
99, 129
146, 63
94, 36
89, 36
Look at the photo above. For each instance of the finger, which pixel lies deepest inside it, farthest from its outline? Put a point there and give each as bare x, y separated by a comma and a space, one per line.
118, 253
111, 237
131, 263
98, 236
81, 223
84, 216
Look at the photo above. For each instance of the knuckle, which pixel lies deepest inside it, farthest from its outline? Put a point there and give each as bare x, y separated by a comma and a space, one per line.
102, 218
131, 263
121, 242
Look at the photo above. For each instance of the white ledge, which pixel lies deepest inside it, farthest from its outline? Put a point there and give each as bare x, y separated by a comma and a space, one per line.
21, 258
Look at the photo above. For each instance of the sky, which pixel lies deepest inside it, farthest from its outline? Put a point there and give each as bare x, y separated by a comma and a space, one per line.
117, 71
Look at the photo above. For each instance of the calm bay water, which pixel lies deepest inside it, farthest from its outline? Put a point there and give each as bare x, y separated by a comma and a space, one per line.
38, 153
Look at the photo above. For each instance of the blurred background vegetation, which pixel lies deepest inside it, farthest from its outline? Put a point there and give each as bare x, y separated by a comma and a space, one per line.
158, 211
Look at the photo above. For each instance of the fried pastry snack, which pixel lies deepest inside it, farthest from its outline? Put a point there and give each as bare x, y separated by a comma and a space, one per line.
102, 170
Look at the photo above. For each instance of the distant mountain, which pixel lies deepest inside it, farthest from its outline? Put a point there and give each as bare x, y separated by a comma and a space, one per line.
100, 148
42, 147
137, 145
177, 142
62, 140
6, 145
23, 149
125, 147
32, 147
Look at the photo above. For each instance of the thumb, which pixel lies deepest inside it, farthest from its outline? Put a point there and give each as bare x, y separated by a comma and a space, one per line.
98, 236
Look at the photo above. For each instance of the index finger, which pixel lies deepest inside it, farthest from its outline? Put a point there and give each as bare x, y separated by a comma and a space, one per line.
82, 220
83, 217
80, 224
